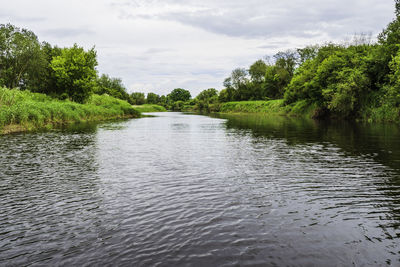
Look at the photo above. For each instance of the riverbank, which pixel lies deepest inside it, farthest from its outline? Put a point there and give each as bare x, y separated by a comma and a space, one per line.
27, 111
150, 108
272, 107
303, 108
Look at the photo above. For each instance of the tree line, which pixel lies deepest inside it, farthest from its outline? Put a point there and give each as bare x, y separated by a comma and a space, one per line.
343, 80
64, 73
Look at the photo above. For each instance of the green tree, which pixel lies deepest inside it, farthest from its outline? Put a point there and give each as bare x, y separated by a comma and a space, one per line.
112, 87
275, 81
257, 71
306, 53
138, 98
286, 60
179, 94
153, 98
75, 72
20, 56
44, 80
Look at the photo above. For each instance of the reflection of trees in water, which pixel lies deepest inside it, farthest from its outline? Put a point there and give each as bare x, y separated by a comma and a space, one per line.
380, 142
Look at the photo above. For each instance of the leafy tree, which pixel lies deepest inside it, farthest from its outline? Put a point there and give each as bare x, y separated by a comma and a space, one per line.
163, 101
75, 72
393, 87
207, 99
207, 94
226, 95
153, 98
306, 53
20, 56
286, 60
138, 98
44, 80
275, 81
257, 71
179, 94
112, 87
238, 78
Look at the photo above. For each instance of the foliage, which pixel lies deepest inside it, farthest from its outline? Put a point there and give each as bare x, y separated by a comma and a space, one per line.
138, 98
34, 110
150, 108
20, 56
153, 98
207, 100
75, 72
179, 94
112, 87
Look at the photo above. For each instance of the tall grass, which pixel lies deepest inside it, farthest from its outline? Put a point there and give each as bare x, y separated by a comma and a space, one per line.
150, 108
273, 107
24, 110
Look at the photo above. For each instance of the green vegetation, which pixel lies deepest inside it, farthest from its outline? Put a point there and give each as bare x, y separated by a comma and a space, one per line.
274, 107
42, 86
150, 108
359, 80
24, 110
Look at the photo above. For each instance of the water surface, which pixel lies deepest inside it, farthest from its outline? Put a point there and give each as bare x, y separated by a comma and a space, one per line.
188, 190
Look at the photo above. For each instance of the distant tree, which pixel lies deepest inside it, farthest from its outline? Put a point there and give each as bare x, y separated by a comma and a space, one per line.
257, 71
207, 94
112, 87
179, 94
44, 80
257, 75
308, 52
286, 60
152, 98
75, 72
20, 56
238, 78
138, 98
163, 101
276, 80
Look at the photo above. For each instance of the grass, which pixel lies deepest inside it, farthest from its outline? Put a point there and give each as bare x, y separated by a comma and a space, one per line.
24, 110
275, 107
150, 108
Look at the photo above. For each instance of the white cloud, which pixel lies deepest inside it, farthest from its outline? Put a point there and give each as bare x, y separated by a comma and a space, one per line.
156, 45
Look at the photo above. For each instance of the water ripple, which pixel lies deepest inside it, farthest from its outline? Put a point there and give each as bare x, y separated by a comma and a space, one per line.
179, 190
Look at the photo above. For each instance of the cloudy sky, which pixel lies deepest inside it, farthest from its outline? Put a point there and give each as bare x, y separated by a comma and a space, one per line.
158, 45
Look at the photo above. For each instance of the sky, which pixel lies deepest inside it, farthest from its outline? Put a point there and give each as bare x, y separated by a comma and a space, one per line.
159, 45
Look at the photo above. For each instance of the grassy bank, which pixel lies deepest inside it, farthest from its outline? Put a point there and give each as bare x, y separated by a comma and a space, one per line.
273, 107
24, 110
150, 108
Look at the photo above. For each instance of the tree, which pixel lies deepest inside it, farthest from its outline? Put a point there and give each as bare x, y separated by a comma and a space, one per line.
286, 60
208, 94
112, 87
75, 72
257, 75
238, 78
257, 71
306, 53
152, 98
43, 80
276, 79
138, 98
20, 56
179, 94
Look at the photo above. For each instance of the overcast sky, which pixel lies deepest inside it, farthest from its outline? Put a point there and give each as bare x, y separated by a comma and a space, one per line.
158, 45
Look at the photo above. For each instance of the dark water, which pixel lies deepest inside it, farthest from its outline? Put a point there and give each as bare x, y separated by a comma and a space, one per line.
187, 190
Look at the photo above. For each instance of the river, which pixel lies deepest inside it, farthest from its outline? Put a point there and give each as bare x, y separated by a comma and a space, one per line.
190, 190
